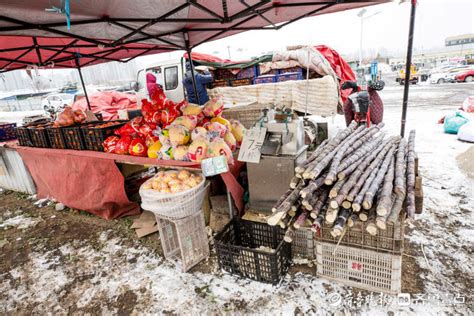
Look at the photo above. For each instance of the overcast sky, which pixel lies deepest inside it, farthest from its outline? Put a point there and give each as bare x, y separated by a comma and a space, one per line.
386, 27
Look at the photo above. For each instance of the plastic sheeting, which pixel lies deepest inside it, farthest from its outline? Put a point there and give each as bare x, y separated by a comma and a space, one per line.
322, 95
107, 103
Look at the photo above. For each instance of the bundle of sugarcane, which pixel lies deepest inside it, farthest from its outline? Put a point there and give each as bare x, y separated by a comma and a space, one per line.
359, 175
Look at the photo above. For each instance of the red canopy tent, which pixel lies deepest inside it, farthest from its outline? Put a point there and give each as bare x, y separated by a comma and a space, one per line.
35, 33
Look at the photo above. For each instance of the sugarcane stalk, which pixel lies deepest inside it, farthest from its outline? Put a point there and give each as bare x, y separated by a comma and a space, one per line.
400, 168
348, 147
300, 220
281, 199
357, 178
378, 179
349, 164
302, 166
318, 222
400, 183
312, 186
363, 216
381, 220
285, 206
352, 220
294, 182
331, 215
320, 202
371, 227
340, 222
385, 202
410, 203
366, 179
346, 204
314, 169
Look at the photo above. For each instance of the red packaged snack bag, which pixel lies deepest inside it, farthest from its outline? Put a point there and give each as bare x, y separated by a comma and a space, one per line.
125, 130
144, 130
138, 148
110, 143
150, 139
123, 144
158, 98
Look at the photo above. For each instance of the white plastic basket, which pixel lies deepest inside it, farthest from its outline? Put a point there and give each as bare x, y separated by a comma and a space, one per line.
361, 268
175, 205
184, 241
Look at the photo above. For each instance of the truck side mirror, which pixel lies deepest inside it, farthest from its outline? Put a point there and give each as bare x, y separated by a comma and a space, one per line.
134, 85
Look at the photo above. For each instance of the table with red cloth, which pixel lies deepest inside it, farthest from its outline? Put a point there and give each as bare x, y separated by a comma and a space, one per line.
91, 181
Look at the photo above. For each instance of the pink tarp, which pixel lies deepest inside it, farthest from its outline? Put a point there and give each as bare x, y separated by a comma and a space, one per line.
107, 103
91, 181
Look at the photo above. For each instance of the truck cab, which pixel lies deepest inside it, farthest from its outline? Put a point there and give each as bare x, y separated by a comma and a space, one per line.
169, 74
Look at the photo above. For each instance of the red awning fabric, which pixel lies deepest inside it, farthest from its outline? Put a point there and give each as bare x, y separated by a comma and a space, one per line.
17, 52
200, 57
340, 67
35, 32
91, 181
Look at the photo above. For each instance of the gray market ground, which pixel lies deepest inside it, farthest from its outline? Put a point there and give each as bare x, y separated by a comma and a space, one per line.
65, 262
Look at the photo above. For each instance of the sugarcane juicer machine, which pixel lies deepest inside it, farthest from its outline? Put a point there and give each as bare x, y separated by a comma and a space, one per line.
283, 149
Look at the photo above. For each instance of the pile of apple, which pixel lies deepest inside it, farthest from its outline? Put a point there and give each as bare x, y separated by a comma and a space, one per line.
178, 131
173, 181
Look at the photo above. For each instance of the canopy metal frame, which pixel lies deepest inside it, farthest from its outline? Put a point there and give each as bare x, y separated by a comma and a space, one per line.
247, 14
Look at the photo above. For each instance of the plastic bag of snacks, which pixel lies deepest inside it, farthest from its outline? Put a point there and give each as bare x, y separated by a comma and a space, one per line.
213, 107
110, 143
218, 147
198, 150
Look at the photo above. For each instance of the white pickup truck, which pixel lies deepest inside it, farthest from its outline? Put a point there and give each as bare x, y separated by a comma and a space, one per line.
169, 74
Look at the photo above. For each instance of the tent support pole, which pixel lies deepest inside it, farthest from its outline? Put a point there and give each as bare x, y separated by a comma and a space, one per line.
82, 82
408, 67
188, 50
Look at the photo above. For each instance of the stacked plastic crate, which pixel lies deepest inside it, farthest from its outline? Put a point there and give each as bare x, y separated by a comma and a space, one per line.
181, 224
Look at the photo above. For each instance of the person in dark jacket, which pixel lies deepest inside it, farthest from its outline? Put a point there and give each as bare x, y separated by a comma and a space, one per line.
374, 100
202, 77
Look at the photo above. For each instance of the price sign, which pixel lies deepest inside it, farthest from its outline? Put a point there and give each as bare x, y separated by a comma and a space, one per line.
250, 150
213, 166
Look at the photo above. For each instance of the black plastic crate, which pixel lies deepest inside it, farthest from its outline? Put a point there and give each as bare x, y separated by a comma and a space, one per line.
56, 137
253, 250
23, 136
39, 136
7, 131
95, 135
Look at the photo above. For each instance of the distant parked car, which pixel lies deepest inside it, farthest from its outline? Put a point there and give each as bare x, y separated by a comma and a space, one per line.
465, 76
439, 77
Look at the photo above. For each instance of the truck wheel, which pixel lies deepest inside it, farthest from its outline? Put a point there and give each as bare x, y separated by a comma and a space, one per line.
469, 79
441, 80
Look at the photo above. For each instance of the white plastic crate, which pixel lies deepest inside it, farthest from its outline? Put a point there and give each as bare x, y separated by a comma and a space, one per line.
184, 241
303, 244
361, 268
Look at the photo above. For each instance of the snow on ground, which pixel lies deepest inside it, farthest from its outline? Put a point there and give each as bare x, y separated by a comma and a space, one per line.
17, 116
78, 276
19, 221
